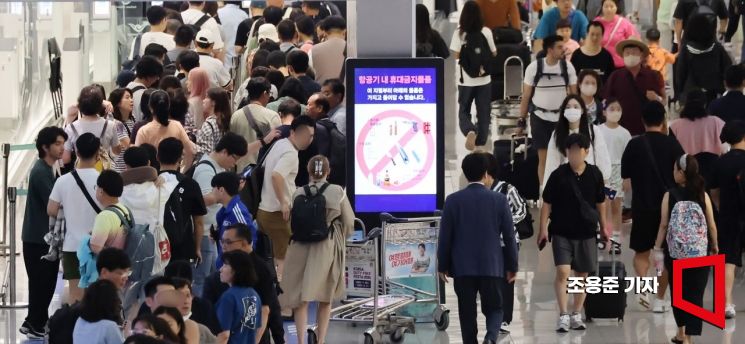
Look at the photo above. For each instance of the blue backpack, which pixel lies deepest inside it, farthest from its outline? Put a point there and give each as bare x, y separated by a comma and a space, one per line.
139, 246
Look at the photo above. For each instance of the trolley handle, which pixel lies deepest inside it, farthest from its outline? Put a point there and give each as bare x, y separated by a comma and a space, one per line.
386, 217
372, 235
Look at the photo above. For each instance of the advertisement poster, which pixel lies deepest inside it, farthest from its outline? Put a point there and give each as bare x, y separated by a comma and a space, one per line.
395, 128
359, 270
410, 260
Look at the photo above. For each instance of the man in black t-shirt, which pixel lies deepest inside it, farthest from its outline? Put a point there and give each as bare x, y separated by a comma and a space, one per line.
238, 237
193, 209
649, 172
573, 239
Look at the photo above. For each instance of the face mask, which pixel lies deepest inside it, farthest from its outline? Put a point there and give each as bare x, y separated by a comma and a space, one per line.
572, 115
631, 60
588, 90
614, 116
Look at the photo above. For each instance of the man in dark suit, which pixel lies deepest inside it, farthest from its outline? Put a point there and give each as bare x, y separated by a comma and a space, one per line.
470, 251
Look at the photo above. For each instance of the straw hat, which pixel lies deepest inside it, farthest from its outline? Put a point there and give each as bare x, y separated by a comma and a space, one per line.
620, 46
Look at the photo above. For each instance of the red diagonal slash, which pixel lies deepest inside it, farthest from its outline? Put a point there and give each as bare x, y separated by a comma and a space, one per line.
392, 152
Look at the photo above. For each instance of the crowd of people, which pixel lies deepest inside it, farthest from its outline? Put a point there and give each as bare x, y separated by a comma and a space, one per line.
170, 150
595, 103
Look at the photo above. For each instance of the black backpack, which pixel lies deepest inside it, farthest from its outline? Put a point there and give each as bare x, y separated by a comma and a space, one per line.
177, 223
253, 175
539, 74
703, 8
131, 64
475, 56
62, 323
308, 216
190, 172
336, 152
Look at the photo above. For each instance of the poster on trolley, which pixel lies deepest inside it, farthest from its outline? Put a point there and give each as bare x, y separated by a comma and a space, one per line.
395, 128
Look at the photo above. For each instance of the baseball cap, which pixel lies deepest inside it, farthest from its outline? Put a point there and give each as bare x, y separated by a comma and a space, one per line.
268, 31
205, 36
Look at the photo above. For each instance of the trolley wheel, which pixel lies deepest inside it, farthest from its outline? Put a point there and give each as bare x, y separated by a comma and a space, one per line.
312, 337
443, 322
369, 339
397, 336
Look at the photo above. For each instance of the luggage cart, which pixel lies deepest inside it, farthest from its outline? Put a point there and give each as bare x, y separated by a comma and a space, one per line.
379, 310
507, 109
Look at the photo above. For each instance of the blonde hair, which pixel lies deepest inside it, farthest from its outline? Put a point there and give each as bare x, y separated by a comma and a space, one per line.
318, 167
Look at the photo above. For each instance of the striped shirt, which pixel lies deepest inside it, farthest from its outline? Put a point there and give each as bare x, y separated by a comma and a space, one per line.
123, 131
516, 202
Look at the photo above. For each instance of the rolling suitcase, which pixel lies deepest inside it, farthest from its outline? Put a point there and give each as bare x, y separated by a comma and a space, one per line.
607, 305
518, 168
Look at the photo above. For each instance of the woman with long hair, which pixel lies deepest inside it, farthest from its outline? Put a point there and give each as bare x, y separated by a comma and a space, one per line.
153, 326
429, 43
314, 271
617, 28
100, 318
162, 126
473, 88
589, 89
197, 83
687, 227
573, 119
122, 101
186, 333
239, 307
725, 193
217, 114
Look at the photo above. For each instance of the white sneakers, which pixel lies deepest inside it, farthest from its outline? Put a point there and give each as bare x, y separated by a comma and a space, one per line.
576, 322
563, 324
471, 141
729, 311
659, 306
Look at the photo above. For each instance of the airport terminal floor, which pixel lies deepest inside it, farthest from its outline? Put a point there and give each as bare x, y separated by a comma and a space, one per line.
534, 318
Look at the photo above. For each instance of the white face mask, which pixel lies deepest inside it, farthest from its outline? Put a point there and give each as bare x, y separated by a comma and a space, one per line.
631, 60
572, 115
614, 116
588, 89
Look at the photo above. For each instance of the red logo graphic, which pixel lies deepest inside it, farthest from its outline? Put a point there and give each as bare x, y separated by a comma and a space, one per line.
715, 318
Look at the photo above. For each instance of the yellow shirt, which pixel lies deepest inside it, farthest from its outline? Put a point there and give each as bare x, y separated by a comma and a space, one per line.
659, 58
108, 230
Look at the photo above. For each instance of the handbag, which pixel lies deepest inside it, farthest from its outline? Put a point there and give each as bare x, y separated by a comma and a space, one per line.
162, 243
588, 214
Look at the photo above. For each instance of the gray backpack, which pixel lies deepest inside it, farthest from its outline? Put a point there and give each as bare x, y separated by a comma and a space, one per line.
139, 246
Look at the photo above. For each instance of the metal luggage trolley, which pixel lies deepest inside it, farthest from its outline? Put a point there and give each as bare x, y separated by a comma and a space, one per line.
506, 117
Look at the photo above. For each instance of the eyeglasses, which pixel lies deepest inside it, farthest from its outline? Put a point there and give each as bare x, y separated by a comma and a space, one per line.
227, 242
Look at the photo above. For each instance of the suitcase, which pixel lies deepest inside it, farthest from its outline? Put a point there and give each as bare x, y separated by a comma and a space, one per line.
608, 306
518, 169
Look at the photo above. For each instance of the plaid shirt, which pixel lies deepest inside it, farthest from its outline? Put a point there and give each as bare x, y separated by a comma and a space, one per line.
208, 135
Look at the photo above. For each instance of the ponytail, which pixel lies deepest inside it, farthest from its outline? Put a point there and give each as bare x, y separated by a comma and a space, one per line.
695, 183
318, 167
160, 105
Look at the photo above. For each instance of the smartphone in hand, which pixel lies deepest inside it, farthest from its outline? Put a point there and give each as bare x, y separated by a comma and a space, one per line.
542, 244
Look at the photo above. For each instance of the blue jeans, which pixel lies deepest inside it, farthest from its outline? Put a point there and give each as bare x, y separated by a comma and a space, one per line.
206, 267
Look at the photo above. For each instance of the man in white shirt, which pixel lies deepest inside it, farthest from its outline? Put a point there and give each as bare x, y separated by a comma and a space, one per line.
148, 72
219, 75
281, 166
80, 208
156, 16
230, 16
542, 99
264, 120
228, 150
194, 14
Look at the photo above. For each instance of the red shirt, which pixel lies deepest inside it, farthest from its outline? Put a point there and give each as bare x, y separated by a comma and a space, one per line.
629, 91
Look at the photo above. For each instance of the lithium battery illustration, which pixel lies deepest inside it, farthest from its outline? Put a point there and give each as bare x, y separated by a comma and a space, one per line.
404, 157
416, 157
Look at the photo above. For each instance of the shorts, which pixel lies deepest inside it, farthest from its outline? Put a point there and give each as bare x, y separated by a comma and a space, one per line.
644, 228
277, 229
730, 236
70, 266
541, 131
581, 254
615, 182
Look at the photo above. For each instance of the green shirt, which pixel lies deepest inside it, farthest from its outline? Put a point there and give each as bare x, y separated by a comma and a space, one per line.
35, 219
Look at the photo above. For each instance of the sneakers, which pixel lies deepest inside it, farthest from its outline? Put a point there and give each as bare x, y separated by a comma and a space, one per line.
659, 306
31, 332
563, 324
576, 322
730, 312
503, 329
471, 141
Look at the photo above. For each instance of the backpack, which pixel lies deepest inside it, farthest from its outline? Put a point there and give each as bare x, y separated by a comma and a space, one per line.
178, 225
539, 74
523, 228
308, 216
253, 175
197, 26
703, 8
336, 152
104, 159
424, 50
62, 323
687, 229
190, 172
475, 56
131, 64
139, 246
